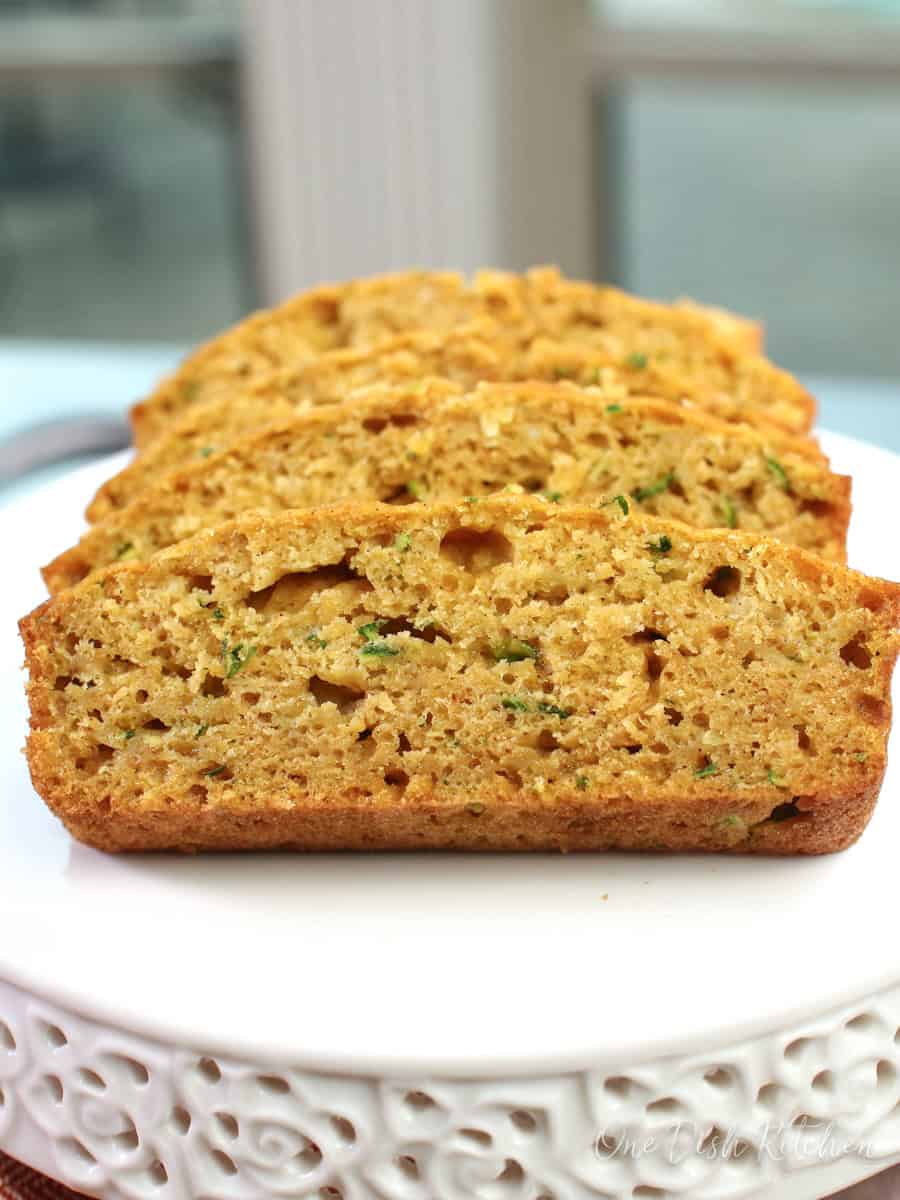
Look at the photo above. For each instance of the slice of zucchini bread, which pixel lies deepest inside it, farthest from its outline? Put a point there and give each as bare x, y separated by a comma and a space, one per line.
758, 392
506, 674
541, 302
435, 443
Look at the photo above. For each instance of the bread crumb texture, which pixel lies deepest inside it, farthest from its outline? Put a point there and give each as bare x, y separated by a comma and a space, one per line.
536, 325
435, 442
506, 673
758, 393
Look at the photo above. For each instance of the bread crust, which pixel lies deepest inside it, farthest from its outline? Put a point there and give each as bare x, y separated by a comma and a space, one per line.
537, 304
821, 508
380, 824
824, 819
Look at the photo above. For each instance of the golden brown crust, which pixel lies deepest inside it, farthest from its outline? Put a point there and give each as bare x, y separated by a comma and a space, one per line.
539, 304
828, 791
480, 824
762, 396
456, 444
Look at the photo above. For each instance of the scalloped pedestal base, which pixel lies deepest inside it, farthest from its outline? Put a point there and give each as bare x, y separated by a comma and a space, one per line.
793, 1114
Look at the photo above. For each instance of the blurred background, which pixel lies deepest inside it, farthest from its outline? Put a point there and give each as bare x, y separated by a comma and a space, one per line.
167, 165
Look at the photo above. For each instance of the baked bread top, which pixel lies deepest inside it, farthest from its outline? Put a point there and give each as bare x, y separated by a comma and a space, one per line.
679, 341
497, 674
433, 441
757, 393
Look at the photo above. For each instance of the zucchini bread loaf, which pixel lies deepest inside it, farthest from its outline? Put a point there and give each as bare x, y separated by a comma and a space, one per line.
757, 392
434, 442
623, 328
504, 674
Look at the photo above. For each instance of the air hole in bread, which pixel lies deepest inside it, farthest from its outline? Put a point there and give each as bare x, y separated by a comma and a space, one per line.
292, 592
213, 685
399, 420
653, 665
700, 719
141, 696
429, 633
872, 709
404, 745
721, 633
723, 582
476, 550
156, 725
804, 741
92, 764
177, 670
533, 484
855, 654
546, 741
512, 776
325, 692
397, 779
784, 812
61, 682
673, 715
399, 495
200, 583
502, 605
554, 597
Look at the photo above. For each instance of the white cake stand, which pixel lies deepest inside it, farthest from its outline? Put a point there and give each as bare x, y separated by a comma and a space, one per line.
442, 1027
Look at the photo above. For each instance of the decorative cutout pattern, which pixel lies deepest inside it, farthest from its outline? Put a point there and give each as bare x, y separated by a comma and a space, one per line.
135, 1119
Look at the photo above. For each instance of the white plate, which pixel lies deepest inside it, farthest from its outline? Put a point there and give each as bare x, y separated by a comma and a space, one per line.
450, 965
